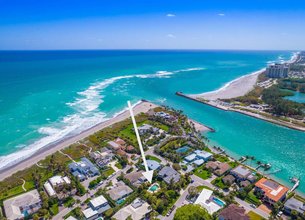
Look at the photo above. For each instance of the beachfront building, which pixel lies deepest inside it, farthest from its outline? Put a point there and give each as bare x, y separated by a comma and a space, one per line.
146, 128
211, 203
102, 158
272, 191
23, 205
119, 192
168, 174
55, 184
233, 212
277, 70
198, 157
83, 169
242, 173
294, 204
137, 210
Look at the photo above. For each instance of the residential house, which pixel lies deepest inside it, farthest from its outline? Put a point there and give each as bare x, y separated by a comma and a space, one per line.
136, 178
228, 180
137, 210
83, 169
245, 183
272, 191
90, 214
233, 212
120, 191
211, 203
55, 184
23, 205
169, 174
218, 168
99, 204
113, 145
153, 165
294, 204
242, 173
146, 128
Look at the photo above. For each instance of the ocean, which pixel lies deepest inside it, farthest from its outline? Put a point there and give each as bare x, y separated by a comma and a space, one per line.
46, 96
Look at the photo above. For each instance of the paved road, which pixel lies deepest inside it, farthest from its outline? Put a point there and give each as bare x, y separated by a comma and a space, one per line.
249, 208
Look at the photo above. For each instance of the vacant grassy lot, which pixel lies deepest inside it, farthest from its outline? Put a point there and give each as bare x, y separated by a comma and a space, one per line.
202, 173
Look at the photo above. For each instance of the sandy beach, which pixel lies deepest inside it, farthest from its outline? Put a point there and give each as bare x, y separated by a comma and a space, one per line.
143, 106
235, 88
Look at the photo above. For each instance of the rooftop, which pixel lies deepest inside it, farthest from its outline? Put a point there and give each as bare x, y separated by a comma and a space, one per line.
204, 199
14, 205
152, 164
98, 201
120, 191
137, 210
294, 204
89, 213
168, 174
233, 212
273, 190
241, 171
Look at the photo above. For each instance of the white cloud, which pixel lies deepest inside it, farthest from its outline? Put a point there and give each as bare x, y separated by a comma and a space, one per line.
221, 14
170, 15
171, 36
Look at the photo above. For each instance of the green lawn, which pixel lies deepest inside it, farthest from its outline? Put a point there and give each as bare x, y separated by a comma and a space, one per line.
108, 172
119, 166
150, 157
54, 209
200, 188
69, 202
233, 164
253, 216
221, 158
251, 198
218, 182
202, 173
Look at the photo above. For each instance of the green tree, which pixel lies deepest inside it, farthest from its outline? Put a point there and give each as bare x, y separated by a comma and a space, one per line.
192, 212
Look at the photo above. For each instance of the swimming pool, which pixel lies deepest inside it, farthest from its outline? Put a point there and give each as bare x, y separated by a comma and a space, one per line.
182, 149
154, 188
120, 201
219, 202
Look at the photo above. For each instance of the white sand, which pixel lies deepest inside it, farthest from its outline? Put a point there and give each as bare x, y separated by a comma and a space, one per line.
141, 107
238, 87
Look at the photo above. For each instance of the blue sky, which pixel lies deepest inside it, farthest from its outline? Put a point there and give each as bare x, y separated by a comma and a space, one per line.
152, 24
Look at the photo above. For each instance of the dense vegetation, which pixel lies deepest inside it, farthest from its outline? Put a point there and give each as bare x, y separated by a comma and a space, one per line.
191, 212
293, 84
274, 97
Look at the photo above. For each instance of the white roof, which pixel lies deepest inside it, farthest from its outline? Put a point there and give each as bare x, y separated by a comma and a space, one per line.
88, 213
98, 201
51, 192
56, 180
67, 180
136, 214
11, 206
203, 154
204, 200
71, 218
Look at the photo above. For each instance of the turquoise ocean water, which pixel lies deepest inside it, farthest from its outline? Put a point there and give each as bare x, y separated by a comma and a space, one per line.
48, 95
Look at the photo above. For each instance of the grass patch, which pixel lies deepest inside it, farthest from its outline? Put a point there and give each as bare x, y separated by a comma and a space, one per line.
202, 173
150, 157
218, 182
251, 198
253, 216
233, 164
221, 158
119, 166
54, 209
108, 172
69, 202
200, 188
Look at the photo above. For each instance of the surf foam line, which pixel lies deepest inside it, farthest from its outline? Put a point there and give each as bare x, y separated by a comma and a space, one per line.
86, 116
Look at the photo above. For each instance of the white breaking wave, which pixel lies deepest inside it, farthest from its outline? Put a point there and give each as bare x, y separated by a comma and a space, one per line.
87, 115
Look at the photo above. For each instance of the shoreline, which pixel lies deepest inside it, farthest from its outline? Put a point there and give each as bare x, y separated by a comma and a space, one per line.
235, 88
142, 106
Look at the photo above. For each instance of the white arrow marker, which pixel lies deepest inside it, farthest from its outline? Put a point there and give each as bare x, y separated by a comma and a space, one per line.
149, 173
